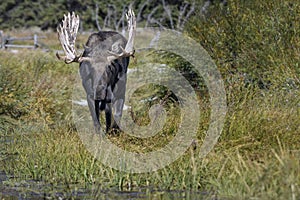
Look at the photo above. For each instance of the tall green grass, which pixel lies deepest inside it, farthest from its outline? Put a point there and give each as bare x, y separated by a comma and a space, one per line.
256, 47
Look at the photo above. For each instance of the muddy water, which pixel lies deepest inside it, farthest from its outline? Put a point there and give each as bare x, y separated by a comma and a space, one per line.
29, 190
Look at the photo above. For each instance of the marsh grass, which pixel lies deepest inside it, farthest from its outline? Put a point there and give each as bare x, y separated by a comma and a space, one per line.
257, 155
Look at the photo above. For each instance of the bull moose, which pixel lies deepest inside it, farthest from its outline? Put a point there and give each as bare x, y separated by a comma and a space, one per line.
102, 67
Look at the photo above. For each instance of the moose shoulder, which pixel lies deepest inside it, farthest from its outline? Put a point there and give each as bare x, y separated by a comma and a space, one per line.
103, 67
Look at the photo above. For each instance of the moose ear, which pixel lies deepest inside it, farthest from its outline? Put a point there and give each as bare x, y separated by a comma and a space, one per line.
87, 49
117, 46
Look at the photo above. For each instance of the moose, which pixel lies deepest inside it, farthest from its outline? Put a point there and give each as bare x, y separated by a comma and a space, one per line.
102, 67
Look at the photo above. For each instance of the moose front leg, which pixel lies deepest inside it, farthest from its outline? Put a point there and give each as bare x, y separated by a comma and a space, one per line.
118, 110
119, 99
94, 110
108, 116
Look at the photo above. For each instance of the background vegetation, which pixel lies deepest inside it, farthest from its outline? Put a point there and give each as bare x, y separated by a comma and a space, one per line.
22, 13
256, 46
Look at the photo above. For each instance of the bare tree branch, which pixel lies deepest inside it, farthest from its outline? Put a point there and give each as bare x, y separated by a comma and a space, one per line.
151, 20
121, 21
168, 11
96, 16
181, 22
182, 10
109, 16
142, 8
116, 21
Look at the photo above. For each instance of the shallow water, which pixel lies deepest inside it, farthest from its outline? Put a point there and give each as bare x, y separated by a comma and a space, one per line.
37, 190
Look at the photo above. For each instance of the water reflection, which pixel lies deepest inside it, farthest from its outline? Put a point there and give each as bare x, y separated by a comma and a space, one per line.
38, 190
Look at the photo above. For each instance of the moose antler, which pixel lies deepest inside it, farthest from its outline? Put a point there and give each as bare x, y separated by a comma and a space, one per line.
67, 33
129, 49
